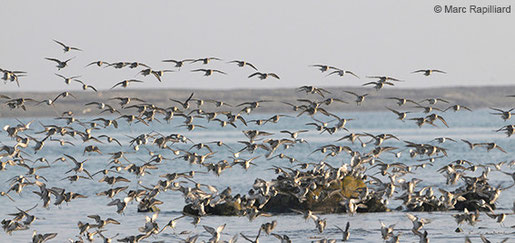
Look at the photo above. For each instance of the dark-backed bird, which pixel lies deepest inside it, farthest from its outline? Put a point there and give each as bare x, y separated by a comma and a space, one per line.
67, 48
428, 72
264, 75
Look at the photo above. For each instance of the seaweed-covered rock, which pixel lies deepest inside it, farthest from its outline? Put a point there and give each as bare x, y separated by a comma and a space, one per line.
474, 201
325, 198
373, 204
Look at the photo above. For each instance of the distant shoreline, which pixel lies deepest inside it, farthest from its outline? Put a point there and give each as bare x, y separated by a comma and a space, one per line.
474, 97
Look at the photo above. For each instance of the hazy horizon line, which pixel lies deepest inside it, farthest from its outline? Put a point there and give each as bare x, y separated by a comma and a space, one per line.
252, 88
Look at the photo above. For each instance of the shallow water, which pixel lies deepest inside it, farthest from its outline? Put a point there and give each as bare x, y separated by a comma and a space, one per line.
365, 227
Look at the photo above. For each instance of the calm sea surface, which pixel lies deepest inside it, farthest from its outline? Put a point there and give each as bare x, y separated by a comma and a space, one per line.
477, 126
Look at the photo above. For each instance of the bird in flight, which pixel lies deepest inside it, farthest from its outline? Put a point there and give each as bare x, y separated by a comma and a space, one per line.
243, 64
60, 64
67, 48
208, 72
125, 83
428, 72
264, 75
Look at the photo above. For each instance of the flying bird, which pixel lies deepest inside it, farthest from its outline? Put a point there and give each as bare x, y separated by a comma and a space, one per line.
178, 63
206, 60
67, 80
342, 73
428, 72
60, 64
208, 72
67, 48
125, 83
243, 64
85, 86
264, 75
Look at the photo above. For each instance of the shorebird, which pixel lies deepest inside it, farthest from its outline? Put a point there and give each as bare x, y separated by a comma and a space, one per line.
386, 232
208, 72
60, 64
125, 83
67, 80
421, 121
186, 103
275, 118
379, 84
282, 238
433, 101
418, 223
206, 60
120, 205
359, 98
323, 67
269, 227
385, 78
499, 218
379, 139
400, 115
245, 163
313, 90
490, 146
346, 233
79, 166
341, 73
294, 134
403, 101
67, 48
428, 72
457, 108
159, 73
63, 94
133, 65
508, 129
320, 223
85, 86
243, 64
172, 223
443, 139
102, 222
118, 65
126, 100
178, 63
217, 103
264, 75
41, 238
98, 63
428, 109
110, 193
431, 118
215, 233
12, 75
505, 115
471, 145
255, 240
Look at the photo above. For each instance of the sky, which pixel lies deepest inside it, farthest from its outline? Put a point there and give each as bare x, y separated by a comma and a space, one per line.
391, 38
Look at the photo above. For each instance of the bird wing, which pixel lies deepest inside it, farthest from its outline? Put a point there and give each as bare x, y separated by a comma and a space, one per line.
443, 120
255, 74
119, 83
274, 75
60, 43
351, 73
411, 217
53, 59
501, 149
252, 66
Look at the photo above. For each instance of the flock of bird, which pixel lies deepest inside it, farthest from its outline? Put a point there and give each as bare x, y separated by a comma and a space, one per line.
385, 179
